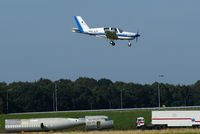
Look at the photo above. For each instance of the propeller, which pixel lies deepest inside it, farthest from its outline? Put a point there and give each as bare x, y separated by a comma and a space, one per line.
137, 35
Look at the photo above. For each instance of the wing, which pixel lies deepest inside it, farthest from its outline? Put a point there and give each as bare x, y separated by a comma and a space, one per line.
101, 36
111, 35
76, 30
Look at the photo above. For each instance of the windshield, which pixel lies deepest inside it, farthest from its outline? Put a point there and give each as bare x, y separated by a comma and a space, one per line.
120, 30
114, 29
140, 119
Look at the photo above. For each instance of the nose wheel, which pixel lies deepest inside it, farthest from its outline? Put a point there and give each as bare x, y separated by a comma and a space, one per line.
129, 44
112, 43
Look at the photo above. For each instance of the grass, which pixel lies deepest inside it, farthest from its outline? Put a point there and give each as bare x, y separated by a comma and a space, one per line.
124, 122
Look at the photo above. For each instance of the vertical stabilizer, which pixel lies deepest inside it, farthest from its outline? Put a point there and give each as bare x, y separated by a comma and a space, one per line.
82, 26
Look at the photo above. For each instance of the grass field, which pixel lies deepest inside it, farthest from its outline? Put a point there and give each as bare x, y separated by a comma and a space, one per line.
123, 120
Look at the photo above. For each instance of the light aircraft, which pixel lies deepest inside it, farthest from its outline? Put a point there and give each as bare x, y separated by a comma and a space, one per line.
111, 33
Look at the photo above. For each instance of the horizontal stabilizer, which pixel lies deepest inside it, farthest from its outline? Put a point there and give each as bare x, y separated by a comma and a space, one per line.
76, 30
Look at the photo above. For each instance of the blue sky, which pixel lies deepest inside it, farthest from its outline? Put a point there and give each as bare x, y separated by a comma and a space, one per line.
36, 40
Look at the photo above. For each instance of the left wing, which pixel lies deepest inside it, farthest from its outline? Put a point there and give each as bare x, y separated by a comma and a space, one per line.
100, 36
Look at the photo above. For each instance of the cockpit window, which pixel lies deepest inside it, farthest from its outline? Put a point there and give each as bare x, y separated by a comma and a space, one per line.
140, 120
106, 29
114, 29
120, 30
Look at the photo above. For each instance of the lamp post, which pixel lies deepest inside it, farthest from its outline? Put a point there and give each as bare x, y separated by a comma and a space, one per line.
159, 91
7, 99
56, 101
54, 97
121, 98
53, 102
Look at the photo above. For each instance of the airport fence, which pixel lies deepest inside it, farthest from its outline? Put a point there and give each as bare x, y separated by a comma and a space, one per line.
120, 109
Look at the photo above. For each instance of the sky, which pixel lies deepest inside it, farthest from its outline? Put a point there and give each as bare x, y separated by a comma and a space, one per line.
36, 41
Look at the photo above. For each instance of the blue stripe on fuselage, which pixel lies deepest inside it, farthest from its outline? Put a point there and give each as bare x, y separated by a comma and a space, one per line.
123, 35
78, 24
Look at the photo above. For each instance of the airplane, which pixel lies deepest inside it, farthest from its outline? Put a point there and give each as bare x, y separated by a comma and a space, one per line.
111, 33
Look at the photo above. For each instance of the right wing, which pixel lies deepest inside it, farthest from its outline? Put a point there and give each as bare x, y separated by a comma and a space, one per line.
111, 35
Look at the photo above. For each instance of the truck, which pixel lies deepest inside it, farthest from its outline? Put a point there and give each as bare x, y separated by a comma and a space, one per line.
170, 119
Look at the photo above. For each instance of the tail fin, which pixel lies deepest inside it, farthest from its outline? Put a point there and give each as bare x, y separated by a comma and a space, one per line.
82, 26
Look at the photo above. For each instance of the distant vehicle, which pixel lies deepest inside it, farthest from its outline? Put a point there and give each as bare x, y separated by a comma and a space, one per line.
111, 33
98, 122
41, 124
165, 119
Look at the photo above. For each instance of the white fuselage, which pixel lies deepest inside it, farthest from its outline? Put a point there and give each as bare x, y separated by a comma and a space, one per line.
100, 32
41, 124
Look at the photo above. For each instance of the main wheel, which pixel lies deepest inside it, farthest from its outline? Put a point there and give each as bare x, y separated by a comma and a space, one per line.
112, 43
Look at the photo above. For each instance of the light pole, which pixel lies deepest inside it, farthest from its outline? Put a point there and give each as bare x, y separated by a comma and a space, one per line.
159, 91
121, 98
53, 96
7, 99
56, 101
110, 104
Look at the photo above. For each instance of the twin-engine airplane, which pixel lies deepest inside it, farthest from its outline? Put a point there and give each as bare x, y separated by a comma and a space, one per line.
110, 33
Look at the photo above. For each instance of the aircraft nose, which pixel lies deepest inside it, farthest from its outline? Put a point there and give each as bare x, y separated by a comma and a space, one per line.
137, 35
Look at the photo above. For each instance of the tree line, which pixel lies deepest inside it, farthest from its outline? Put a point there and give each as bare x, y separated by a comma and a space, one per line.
88, 93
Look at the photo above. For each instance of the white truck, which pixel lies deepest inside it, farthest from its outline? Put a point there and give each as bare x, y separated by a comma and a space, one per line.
165, 119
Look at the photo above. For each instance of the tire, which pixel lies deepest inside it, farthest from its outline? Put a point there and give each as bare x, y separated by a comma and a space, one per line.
157, 127
112, 43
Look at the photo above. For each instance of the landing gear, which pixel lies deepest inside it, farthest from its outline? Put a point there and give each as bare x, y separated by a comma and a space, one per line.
112, 43
129, 44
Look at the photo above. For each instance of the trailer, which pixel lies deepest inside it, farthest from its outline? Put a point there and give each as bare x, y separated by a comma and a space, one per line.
170, 119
